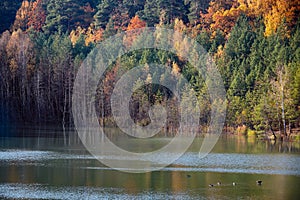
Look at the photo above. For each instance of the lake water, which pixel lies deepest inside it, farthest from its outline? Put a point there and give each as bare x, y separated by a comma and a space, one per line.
49, 168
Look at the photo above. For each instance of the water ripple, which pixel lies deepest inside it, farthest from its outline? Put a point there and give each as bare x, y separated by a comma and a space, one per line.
38, 191
215, 162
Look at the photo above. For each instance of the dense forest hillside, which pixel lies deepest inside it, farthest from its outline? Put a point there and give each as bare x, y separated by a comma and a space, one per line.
255, 44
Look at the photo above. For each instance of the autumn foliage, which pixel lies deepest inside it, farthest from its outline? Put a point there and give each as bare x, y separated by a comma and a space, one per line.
22, 15
133, 26
36, 16
254, 43
90, 35
222, 14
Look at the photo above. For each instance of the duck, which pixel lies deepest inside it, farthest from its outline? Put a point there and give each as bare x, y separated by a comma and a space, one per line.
211, 185
234, 183
188, 175
258, 182
219, 183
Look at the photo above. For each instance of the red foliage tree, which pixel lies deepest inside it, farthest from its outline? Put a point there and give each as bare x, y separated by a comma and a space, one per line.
37, 16
133, 26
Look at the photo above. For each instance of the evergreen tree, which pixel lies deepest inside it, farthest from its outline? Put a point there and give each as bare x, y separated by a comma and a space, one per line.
103, 14
134, 6
61, 16
110, 29
150, 13
257, 59
217, 41
171, 9
194, 8
238, 85
204, 40
240, 40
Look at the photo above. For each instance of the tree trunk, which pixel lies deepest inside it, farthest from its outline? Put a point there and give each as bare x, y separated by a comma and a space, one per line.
282, 106
272, 131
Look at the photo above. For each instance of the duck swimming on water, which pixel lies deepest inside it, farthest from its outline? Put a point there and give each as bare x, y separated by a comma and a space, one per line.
258, 182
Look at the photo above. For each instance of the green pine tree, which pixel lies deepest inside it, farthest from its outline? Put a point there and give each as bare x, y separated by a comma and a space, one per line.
171, 9
150, 13
62, 16
103, 14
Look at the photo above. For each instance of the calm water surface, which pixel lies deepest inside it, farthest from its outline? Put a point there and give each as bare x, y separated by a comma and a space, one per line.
48, 168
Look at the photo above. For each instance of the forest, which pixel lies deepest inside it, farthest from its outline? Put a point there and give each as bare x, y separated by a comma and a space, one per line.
254, 43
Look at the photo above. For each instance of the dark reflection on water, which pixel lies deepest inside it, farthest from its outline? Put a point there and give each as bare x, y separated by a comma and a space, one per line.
48, 168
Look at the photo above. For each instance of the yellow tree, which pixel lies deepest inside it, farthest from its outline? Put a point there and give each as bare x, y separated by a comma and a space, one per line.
222, 15
273, 12
282, 10
22, 16
21, 60
93, 35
